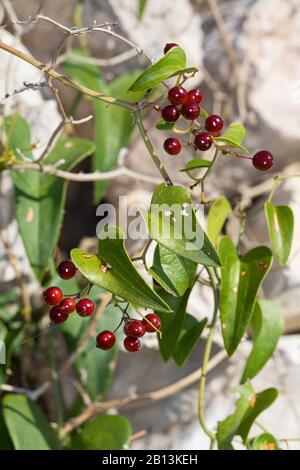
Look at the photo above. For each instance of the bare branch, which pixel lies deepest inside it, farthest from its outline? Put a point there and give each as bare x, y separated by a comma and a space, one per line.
116, 60
86, 177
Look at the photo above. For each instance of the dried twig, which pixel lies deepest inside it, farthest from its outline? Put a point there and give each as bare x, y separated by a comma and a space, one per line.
116, 60
86, 177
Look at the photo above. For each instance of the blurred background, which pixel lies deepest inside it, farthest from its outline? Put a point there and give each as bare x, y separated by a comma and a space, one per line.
247, 53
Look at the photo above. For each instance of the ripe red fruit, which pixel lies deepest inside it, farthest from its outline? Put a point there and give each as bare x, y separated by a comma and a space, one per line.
170, 113
177, 95
203, 141
169, 46
190, 110
154, 320
263, 160
172, 146
195, 95
66, 269
214, 123
132, 344
105, 340
57, 316
85, 307
53, 295
135, 328
67, 305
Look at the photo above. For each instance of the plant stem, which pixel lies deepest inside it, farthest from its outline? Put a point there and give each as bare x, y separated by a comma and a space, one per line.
50, 72
55, 382
205, 361
156, 160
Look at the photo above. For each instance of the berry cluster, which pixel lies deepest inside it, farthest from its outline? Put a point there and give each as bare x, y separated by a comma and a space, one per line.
63, 306
187, 104
134, 329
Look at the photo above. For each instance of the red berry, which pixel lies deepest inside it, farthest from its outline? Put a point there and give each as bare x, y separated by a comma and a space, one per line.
154, 320
53, 295
170, 113
172, 146
214, 123
169, 46
66, 269
135, 328
203, 140
105, 340
57, 316
190, 110
132, 344
85, 307
177, 95
263, 160
67, 305
195, 95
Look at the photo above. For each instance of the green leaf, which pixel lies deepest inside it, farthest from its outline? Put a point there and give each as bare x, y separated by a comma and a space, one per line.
234, 136
217, 215
5, 440
110, 432
172, 223
264, 441
280, 221
113, 125
241, 280
164, 126
174, 273
248, 407
188, 338
173, 62
113, 270
40, 198
172, 323
267, 327
196, 163
27, 425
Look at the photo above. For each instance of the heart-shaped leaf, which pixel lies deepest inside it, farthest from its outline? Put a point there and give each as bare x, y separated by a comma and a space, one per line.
172, 223
241, 280
196, 163
217, 215
110, 432
280, 221
188, 338
174, 273
27, 425
113, 270
172, 63
40, 198
248, 407
267, 326
234, 136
